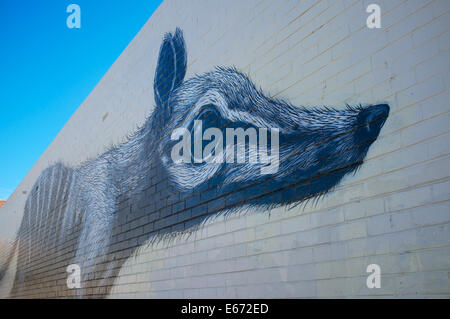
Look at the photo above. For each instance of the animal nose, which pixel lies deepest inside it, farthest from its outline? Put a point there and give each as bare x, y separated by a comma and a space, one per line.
372, 118
380, 110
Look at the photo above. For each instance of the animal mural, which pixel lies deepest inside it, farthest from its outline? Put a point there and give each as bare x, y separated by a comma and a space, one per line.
98, 214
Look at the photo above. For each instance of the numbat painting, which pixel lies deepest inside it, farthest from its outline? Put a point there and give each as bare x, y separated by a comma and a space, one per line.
177, 171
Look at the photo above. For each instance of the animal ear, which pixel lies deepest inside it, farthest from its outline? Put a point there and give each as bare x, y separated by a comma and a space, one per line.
170, 69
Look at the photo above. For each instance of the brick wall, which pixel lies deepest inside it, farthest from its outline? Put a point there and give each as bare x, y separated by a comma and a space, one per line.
393, 212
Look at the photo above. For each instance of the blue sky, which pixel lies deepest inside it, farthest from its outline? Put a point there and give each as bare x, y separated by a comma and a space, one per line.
47, 69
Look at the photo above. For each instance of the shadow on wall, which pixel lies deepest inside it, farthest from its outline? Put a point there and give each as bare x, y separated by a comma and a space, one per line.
178, 170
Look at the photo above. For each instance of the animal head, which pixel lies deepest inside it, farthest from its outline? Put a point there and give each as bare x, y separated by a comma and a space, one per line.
219, 130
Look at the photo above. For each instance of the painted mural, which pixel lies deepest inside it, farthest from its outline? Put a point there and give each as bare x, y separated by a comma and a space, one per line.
214, 144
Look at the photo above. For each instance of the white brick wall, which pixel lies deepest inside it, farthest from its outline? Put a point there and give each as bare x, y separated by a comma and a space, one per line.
394, 212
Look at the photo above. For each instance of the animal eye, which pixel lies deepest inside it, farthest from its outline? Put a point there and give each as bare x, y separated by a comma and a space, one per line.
209, 116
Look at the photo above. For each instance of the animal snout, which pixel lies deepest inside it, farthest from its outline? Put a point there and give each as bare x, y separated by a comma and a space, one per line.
371, 120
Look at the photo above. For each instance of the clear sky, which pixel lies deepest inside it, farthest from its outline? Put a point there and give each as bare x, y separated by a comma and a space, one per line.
47, 69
